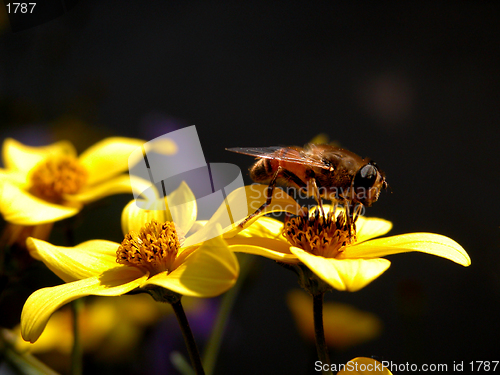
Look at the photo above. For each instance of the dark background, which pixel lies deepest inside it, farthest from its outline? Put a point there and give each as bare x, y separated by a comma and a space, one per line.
414, 86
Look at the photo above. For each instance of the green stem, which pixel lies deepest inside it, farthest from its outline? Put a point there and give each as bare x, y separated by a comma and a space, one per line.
194, 354
213, 346
26, 364
76, 352
319, 331
20, 362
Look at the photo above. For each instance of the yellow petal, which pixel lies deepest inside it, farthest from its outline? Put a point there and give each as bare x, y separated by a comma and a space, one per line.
182, 207
87, 259
42, 303
343, 274
139, 212
19, 207
265, 227
429, 243
115, 185
108, 157
23, 158
157, 147
57, 335
209, 271
256, 197
364, 366
370, 227
266, 247
162, 146
253, 197
143, 189
197, 226
15, 177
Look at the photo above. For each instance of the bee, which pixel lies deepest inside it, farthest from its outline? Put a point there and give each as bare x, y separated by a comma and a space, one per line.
320, 171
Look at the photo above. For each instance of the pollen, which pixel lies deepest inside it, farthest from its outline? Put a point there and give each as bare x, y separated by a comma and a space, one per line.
319, 235
154, 249
55, 177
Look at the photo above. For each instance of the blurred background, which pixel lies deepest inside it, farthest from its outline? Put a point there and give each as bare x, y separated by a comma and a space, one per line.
414, 86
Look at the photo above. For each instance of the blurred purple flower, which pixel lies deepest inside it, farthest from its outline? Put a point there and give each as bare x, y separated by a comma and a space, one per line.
155, 124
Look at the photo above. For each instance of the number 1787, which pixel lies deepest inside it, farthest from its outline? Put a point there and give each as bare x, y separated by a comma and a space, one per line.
21, 7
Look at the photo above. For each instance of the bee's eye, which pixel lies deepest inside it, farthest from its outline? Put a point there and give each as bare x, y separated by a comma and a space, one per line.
366, 177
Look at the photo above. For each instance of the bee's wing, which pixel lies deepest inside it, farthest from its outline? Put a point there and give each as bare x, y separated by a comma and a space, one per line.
288, 154
260, 152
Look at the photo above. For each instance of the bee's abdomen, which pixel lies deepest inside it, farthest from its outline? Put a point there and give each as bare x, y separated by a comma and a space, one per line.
262, 170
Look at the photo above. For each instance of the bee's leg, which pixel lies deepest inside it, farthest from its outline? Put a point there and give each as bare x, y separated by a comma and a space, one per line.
357, 212
348, 217
269, 197
317, 195
351, 218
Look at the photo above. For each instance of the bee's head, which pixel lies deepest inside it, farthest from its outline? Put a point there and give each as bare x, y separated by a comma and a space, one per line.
368, 183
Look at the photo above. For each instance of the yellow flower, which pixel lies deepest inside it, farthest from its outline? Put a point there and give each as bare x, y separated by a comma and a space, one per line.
364, 366
157, 256
41, 185
323, 245
344, 325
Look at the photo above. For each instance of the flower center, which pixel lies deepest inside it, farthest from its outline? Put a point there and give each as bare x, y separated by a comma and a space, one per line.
319, 235
54, 177
154, 249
